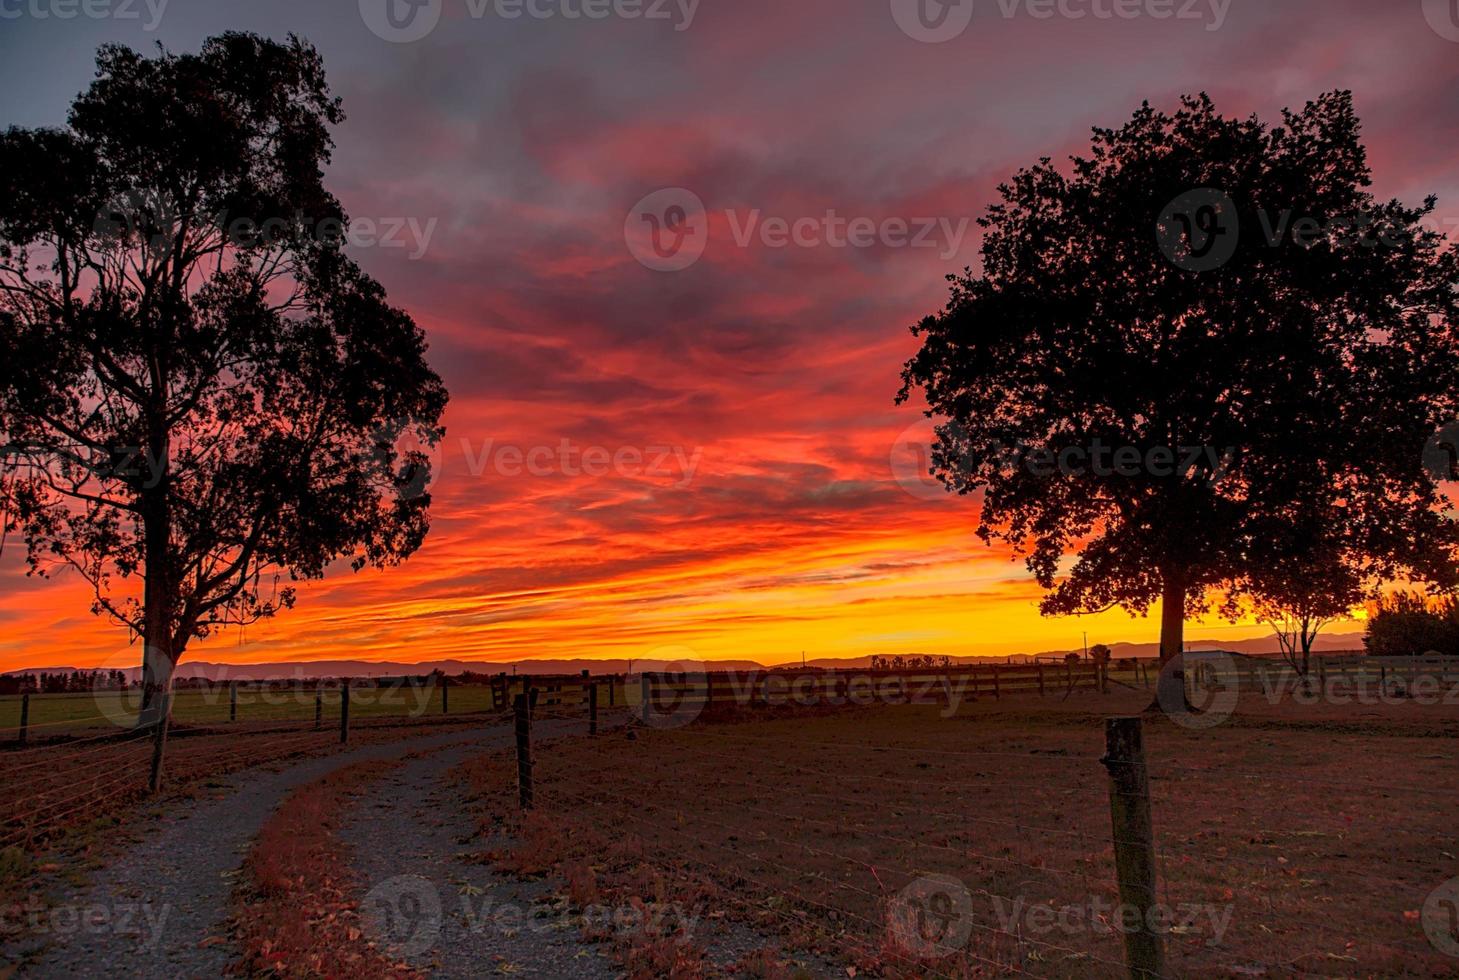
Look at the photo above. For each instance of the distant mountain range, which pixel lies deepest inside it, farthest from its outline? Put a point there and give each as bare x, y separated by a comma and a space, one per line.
313, 669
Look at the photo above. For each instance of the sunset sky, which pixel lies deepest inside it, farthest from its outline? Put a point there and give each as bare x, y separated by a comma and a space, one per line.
737, 415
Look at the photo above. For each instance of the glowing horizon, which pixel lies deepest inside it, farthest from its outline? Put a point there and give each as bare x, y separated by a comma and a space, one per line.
781, 518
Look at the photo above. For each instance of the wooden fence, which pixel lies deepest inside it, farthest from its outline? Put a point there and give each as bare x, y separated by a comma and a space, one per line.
766, 688
1344, 672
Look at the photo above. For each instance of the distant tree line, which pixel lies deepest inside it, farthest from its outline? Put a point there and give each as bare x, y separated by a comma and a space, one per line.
913, 662
63, 682
1408, 624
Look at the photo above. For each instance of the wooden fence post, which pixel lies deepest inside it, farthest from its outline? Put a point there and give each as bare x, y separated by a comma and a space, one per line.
1134, 842
613, 690
233, 701
344, 713
318, 708
24, 717
645, 692
997, 690
523, 712
159, 743
445, 694
1041, 678
592, 709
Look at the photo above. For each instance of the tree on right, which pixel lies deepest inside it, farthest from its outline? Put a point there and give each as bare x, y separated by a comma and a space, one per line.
1197, 362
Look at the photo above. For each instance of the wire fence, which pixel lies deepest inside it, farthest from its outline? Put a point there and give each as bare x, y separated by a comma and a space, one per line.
904, 843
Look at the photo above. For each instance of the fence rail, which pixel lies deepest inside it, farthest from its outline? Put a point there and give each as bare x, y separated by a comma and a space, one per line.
1349, 672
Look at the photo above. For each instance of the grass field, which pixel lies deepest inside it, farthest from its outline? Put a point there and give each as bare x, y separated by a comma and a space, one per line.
53, 714
1280, 852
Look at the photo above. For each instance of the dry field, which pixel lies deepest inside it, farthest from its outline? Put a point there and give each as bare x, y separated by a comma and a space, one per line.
1291, 840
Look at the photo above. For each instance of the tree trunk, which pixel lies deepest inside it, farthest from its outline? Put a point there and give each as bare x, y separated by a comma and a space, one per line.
158, 595
157, 670
1170, 693
1172, 617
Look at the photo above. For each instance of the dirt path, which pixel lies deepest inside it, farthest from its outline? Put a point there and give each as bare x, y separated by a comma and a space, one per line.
160, 910
412, 836
441, 913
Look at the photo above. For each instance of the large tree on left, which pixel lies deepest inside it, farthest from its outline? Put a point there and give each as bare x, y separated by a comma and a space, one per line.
203, 399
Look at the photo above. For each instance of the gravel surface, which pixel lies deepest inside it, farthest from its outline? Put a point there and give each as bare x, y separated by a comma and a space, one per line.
444, 914
426, 901
161, 908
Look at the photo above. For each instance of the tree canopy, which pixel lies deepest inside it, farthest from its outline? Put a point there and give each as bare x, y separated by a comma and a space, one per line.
1202, 348
204, 398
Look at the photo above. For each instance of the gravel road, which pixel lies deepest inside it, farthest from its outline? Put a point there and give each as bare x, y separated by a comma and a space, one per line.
446, 915
160, 909
412, 835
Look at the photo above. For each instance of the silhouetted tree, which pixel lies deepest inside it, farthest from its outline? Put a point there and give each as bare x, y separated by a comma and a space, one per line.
1409, 624
1226, 305
201, 391
1313, 572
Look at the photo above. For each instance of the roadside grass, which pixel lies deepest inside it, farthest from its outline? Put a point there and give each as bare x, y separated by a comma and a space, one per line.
53, 715
1315, 852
